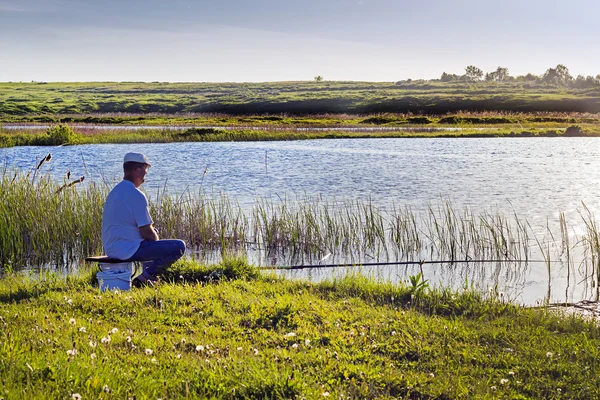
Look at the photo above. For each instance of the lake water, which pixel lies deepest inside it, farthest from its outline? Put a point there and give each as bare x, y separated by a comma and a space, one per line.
535, 178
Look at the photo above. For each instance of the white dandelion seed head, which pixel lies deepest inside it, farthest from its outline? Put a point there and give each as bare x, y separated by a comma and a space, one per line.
549, 354
154, 360
199, 348
240, 348
183, 340
93, 344
325, 394
431, 375
255, 351
178, 356
71, 352
295, 346
128, 339
393, 333
76, 396
114, 330
511, 373
503, 381
307, 342
72, 321
105, 339
106, 389
148, 352
82, 329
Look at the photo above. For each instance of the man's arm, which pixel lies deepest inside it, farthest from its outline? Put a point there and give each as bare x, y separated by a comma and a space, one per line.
148, 232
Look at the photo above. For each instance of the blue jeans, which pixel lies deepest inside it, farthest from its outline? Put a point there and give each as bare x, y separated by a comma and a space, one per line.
158, 255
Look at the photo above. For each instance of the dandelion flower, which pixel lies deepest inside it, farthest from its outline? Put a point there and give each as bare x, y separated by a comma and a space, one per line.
76, 396
307, 342
72, 321
393, 333
240, 348
114, 330
128, 339
295, 346
255, 351
503, 381
149, 352
105, 339
82, 329
431, 375
511, 373
106, 389
199, 348
93, 344
178, 356
549, 354
71, 352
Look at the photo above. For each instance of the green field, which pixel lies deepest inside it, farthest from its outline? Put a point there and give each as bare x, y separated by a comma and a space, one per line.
230, 331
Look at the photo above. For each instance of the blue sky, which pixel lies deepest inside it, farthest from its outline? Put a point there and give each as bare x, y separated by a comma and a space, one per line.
278, 40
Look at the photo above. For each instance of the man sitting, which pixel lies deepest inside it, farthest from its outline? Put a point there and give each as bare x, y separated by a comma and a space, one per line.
127, 231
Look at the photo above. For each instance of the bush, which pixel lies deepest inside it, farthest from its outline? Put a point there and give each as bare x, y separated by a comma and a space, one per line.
574, 131
60, 134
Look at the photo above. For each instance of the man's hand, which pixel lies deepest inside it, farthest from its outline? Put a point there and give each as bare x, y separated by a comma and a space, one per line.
148, 232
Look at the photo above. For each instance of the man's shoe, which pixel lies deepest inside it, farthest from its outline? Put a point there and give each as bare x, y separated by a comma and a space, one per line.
144, 280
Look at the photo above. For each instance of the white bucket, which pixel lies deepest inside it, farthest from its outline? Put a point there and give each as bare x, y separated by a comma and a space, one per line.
110, 280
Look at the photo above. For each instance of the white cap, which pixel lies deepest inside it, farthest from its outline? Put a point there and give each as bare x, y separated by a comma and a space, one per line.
136, 157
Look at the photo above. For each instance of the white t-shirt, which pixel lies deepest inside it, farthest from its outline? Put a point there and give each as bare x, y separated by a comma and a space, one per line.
125, 211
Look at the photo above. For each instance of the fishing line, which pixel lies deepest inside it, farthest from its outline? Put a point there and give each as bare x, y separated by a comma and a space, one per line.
372, 264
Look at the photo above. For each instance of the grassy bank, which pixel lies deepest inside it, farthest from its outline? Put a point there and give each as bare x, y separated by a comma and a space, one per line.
227, 331
62, 134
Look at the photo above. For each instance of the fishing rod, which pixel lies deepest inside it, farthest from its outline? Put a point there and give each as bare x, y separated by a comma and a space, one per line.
372, 264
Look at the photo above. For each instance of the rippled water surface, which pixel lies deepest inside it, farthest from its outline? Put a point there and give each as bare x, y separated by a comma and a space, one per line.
536, 178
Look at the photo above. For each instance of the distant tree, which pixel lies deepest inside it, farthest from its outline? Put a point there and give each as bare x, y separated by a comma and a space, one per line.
473, 73
318, 78
499, 75
558, 76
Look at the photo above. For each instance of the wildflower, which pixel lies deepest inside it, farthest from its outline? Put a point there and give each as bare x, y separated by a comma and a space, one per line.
493, 387
178, 356
93, 355
154, 360
71, 352
128, 339
325, 394
72, 321
106, 389
93, 344
503, 381
240, 348
307, 342
290, 335
549, 354
511, 373
182, 340
82, 329
255, 351
105, 339
149, 352
76, 396
431, 375
393, 333
199, 348
295, 346
114, 330
70, 302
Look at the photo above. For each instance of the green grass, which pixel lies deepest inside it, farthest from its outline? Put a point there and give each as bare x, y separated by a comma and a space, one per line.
296, 98
228, 331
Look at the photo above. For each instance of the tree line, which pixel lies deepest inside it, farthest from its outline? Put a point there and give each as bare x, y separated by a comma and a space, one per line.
558, 75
